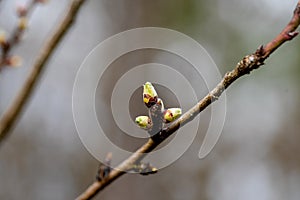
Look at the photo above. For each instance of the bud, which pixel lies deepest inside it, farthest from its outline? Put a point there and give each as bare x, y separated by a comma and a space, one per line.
14, 61
3, 40
144, 169
104, 168
149, 94
23, 23
143, 122
21, 10
171, 114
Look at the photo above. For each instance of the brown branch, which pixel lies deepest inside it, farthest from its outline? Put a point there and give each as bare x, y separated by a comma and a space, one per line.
9, 118
245, 66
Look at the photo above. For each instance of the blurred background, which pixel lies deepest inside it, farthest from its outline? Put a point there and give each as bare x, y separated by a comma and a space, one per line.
257, 156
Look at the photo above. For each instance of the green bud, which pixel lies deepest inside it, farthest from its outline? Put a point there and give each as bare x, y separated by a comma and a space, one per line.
149, 94
144, 169
143, 122
171, 114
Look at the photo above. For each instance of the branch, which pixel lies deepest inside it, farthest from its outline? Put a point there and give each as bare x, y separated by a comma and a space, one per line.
9, 118
24, 12
245, 66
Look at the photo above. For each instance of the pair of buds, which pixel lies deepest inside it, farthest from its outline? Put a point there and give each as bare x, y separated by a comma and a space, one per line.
150, 98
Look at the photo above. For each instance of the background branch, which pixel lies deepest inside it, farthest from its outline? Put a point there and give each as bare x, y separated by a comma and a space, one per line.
9, 118
245, 66
24, 12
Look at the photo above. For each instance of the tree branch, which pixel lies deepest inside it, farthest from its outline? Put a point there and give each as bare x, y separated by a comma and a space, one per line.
9, 118
245, 66
24, 13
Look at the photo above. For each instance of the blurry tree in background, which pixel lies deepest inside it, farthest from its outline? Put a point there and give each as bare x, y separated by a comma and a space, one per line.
257, 155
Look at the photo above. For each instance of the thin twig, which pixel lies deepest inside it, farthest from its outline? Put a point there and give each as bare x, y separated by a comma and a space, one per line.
17, 33
10, 116
245, 66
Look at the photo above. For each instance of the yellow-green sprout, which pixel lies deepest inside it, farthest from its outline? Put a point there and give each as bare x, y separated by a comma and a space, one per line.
143, 122
149, 94
171, 114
